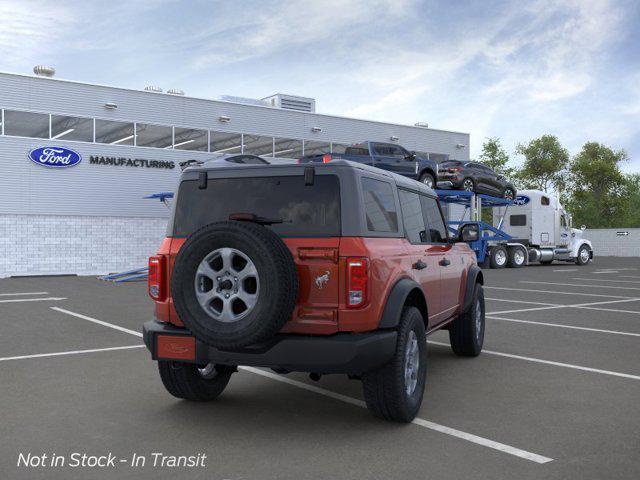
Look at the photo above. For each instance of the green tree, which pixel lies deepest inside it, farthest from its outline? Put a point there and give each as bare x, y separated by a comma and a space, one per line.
632, 185
599, 193
545, 164
495, 156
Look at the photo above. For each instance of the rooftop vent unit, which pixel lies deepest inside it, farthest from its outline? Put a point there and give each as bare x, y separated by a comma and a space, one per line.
175, 91
243, 100
153, 88
44, 71
291, 102
422, 124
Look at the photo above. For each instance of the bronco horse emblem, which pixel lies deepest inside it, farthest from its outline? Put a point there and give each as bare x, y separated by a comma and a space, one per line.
322, 279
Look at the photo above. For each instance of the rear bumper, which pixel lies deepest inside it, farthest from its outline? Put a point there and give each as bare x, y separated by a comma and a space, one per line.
349, 353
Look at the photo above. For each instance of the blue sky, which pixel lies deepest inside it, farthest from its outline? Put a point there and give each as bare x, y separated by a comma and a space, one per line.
515, 70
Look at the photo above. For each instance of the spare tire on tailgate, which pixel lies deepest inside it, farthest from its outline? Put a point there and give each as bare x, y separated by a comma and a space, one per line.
234, 284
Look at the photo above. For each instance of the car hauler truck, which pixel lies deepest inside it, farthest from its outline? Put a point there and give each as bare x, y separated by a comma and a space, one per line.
538, 221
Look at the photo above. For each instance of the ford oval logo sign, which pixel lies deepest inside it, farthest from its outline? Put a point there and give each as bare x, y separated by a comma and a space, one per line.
55, 157
521, 200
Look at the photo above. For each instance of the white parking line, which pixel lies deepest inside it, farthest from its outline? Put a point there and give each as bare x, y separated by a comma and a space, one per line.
549, 362
606, 272
606, 280
580, 285
567, 270
559, 325
23, 293
434, 426
556, 292
418, 421
99, 322
629, 276
18, 300
520, 301
72, 352
577, 305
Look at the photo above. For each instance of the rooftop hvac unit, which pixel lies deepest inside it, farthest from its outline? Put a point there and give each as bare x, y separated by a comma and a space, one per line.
44, 71
175, 91
153, 88
291, 102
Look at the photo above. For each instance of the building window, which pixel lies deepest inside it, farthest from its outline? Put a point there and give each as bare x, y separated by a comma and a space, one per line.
114, 133
190, 139
26, 124
71, 128
316, 148
221, 142
379, 205
338, 148
157, 136
257, 145
287, 148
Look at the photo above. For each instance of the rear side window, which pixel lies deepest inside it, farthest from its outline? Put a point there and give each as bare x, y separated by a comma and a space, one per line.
544, 201
433, 220
305, 211
518, 220
379, 206
357, 150
412, 217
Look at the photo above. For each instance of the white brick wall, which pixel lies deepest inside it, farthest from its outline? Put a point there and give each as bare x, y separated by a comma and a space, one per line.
50, 244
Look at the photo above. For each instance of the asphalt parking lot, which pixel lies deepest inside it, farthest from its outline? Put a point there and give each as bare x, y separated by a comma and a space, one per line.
555, 394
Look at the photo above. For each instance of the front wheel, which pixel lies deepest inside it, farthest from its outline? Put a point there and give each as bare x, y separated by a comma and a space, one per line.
190, 382
584, 255
466, 333
394, 391
468, 185
428, 180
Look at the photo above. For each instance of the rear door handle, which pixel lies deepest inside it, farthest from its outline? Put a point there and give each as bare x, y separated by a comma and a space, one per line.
419, 265
445, 262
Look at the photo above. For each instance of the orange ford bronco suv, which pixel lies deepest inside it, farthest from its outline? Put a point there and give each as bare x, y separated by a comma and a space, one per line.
330, 268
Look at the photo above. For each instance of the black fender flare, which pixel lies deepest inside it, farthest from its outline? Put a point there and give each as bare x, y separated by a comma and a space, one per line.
473, 276
396, 301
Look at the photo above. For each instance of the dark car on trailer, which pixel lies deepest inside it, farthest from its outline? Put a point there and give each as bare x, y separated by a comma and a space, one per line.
475, 177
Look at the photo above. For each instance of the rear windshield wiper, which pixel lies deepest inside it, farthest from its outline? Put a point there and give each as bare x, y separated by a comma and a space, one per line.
252, 217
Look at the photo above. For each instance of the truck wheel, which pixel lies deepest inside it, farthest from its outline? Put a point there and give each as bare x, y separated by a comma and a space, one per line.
428, 180
187, 381
466, 333
498, 257
234, 284
517, 257
394, 391
584, 255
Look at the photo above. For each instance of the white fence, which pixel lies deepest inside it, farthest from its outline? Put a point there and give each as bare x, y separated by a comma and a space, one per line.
614, 242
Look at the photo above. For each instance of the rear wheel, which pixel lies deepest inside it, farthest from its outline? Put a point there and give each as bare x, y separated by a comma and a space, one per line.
498, 258
428, 180
517, 257
190, 382
466, 333
395, 391
468, 185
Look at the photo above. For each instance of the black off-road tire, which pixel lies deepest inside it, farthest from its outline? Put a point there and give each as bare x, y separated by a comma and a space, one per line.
466, 333
498, 257
385, 388
184, 380
426, 176
278, 287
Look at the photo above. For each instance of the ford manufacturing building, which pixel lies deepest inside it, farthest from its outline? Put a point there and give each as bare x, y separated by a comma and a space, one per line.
120, 145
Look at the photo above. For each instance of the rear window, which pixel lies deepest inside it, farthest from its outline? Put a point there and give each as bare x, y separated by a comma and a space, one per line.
306, 211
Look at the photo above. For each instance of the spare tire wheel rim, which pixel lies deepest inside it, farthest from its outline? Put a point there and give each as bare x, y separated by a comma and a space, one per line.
227, 285
411, 363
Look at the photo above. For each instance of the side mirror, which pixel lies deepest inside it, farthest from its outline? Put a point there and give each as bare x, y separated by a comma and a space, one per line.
411, 157
469, 232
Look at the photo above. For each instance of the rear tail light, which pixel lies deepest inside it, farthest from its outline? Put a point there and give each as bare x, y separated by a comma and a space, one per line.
156, 281
326, 158
357, 282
